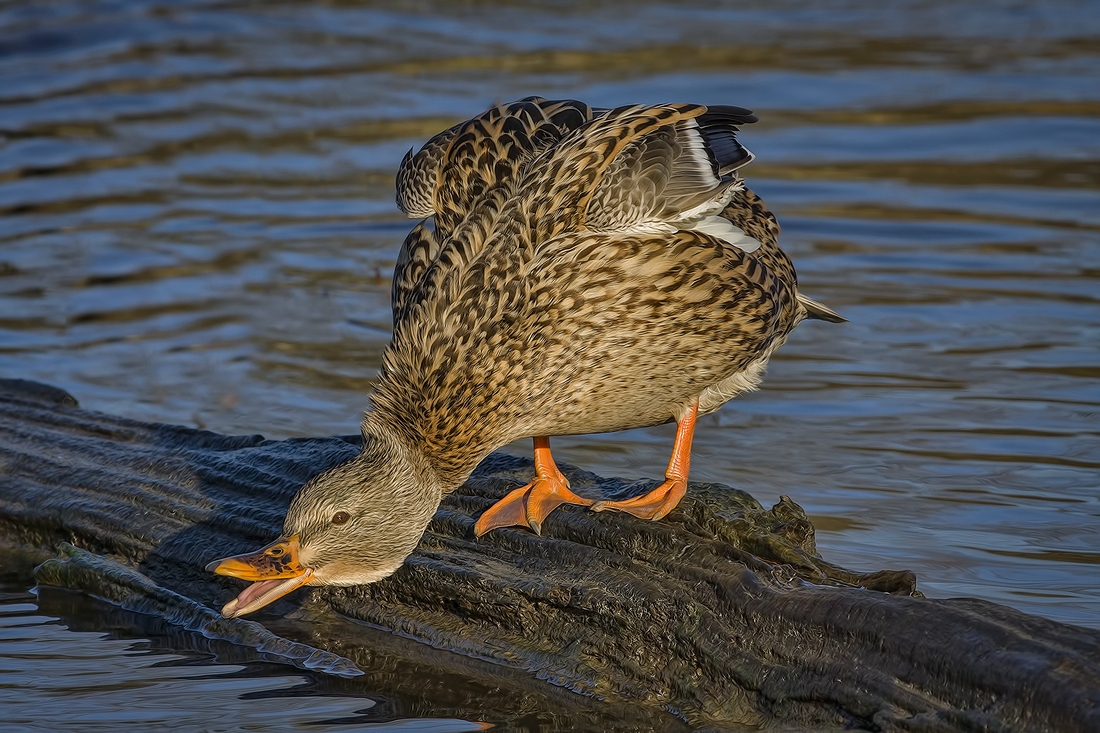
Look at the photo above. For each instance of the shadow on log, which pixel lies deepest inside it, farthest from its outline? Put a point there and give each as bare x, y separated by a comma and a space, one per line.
722, 615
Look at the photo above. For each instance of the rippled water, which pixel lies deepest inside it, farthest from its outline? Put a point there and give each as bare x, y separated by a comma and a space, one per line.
69, 663
196, 226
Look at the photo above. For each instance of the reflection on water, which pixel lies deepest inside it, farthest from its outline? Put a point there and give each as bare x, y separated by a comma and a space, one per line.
196, 226
106, 681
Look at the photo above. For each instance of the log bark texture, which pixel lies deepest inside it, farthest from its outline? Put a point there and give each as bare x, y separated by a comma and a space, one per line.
723, 615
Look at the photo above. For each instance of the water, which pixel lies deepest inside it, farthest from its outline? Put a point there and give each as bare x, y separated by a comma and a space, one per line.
69, 663
197, 227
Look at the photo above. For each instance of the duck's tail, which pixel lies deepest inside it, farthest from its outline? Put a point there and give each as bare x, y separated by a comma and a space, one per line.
820, 312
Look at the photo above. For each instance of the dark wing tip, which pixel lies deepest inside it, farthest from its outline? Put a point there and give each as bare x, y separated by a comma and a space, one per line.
718, 126
729, 115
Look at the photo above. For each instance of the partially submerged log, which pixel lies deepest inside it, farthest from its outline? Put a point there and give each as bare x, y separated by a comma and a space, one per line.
106, 579
720, 615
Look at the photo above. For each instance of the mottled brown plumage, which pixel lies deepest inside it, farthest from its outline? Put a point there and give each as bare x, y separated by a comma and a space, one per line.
583, 271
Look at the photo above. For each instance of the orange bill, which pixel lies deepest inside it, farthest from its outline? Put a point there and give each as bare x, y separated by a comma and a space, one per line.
275, 569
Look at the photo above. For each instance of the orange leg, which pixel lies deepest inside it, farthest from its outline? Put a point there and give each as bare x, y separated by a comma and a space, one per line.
529, 505
663, 499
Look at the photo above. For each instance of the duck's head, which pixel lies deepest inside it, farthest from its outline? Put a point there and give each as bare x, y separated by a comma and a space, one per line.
353, 524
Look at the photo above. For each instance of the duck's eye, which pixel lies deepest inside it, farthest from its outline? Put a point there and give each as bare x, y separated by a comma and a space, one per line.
340, 518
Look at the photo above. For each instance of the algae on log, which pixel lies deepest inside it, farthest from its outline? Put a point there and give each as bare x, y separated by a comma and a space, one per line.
722, 614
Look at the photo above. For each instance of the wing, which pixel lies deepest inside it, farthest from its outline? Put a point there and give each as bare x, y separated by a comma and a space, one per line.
416, 176
644, 169
417, 253
470, 167
492, 150
446, 176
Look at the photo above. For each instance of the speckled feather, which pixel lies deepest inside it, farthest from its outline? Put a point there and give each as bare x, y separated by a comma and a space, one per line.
557, 293
577, 271
471, 163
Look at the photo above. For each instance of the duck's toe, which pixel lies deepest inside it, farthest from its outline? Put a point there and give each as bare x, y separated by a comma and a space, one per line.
653, 505
528, 506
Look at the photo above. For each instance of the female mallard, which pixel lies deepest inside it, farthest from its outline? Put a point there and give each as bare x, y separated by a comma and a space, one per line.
579, 271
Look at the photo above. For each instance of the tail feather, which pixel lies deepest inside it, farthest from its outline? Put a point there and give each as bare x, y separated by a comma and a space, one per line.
820, 312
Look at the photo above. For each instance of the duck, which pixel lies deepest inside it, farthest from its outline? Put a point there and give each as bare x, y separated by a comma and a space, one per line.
575, 270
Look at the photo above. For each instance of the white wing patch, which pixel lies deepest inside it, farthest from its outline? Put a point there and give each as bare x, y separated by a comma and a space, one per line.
696, 149
723, 229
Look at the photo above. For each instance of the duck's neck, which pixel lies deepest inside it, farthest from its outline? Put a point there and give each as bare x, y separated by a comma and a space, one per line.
433, 396
406, 448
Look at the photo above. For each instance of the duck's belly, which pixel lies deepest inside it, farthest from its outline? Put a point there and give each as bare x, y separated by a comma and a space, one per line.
611, 405
612, 334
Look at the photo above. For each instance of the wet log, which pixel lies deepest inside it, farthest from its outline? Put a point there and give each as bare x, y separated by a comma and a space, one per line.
722, 615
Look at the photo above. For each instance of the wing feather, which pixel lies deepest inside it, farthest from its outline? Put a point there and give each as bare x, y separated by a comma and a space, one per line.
656, 168
463, 169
